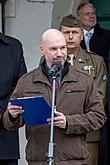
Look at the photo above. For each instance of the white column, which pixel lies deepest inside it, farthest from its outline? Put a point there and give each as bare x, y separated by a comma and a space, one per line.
0, 17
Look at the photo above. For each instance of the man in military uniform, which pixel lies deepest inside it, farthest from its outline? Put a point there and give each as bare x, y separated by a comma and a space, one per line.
72, 29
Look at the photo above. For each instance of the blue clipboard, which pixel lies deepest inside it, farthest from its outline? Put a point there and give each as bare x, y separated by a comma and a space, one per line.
36, 109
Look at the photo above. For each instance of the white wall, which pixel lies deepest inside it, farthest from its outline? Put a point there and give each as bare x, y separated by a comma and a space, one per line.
61, 9
28, 23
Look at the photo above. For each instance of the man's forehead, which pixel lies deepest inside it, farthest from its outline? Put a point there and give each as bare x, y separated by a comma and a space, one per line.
54, 42
87, 8
57, 45
70, 28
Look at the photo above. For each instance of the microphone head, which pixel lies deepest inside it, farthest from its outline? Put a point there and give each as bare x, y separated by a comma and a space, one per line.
56, 67
57, 64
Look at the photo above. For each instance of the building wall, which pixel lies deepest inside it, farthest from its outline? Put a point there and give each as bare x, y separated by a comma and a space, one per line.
27, 20
61, 9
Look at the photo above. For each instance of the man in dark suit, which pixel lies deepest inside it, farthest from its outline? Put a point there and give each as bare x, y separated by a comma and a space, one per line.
12, 67
99, 42
100, 38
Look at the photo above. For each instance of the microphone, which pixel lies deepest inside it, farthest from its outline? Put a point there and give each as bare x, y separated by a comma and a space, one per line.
56, 67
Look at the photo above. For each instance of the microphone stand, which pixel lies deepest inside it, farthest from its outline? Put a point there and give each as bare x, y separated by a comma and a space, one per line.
51, 143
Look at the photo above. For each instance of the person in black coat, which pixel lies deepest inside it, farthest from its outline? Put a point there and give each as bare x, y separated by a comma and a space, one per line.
100, 38
99, 42
12, 67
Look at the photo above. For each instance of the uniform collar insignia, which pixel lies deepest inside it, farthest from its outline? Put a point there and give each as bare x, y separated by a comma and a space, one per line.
81, 60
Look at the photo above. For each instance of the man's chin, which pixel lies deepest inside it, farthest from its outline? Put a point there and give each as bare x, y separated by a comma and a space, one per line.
58, 60
70, 48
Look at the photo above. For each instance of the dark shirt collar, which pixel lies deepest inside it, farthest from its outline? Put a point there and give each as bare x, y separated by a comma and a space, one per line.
45, 69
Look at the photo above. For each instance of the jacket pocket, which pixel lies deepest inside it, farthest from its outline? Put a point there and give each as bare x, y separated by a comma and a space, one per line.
72, 147
75, 89
73, 100
78, 90
33, 92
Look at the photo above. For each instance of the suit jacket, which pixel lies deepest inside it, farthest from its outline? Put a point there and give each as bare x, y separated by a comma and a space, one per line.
99, 42
12, 67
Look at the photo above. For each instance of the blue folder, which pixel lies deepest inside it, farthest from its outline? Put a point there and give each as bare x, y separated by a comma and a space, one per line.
36, 109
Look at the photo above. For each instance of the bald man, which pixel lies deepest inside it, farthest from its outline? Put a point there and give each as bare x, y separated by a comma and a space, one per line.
79, 108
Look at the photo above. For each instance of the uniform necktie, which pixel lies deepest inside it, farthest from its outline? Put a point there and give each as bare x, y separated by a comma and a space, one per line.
88, 34
71, 56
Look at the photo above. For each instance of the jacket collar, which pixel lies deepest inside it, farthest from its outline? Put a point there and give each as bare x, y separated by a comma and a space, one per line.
81, 57
72, 75
97, 29
39, 75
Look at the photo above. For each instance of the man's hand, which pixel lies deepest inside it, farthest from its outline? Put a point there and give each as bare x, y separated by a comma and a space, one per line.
59, 120
14, 110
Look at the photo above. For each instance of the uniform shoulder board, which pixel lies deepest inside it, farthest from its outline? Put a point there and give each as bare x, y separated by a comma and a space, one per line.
104, 77
90, 52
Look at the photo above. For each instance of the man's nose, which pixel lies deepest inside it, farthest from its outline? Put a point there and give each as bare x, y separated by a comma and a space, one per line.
92, 15
70, 35
59, 52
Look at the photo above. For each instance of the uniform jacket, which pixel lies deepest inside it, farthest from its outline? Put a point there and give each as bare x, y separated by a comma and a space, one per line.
12, 66
99, 42
94, 65
82, 105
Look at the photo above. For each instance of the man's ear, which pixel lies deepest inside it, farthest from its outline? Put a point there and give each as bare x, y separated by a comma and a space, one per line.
82, 35
41, 50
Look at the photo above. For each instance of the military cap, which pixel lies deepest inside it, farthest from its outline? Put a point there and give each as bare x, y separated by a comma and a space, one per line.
70, 21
